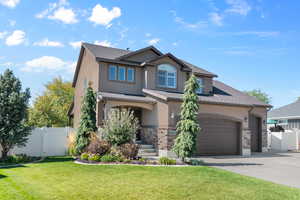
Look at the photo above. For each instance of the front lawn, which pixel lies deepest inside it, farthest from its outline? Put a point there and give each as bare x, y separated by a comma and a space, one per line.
60, 178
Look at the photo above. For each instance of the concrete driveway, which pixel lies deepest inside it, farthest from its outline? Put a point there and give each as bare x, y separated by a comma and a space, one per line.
281, 168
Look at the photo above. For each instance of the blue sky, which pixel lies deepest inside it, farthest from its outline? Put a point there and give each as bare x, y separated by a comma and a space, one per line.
249, 44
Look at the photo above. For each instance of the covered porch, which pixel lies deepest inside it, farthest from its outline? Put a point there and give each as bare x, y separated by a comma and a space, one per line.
143, 108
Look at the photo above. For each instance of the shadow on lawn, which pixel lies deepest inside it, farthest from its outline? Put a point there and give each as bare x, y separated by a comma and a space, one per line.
2, 176
57, 159
11, 166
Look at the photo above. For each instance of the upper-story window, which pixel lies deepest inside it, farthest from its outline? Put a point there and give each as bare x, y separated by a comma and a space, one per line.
201, 86
121, 73
130, 74
112, 72
167, 75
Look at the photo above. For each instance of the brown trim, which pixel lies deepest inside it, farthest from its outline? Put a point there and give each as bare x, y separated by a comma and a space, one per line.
117, 62
78, 66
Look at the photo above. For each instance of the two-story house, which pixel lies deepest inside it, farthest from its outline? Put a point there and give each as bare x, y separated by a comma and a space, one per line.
151, 83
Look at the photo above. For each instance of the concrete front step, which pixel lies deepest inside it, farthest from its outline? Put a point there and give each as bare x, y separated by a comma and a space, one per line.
146, 146
153, 154
147, 151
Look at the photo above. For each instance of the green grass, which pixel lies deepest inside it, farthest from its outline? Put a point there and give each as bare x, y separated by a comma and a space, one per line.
60, 178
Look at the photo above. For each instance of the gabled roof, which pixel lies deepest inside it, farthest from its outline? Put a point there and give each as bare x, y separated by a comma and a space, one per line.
290, 111
115, 55
222, 94
105, 52
132, 53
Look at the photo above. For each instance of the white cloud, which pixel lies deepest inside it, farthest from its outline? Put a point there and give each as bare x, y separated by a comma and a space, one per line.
148, 34
16, 38
3, 34
175, 44
9, 3
76, 44
240, 7
57, 11
103, 43
216, 19
180, 20
64, 15
153, 41
48, 63
47, 43
103, 16
259, 33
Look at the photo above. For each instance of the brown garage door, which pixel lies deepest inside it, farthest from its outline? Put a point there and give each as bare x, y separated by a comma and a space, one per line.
218, 137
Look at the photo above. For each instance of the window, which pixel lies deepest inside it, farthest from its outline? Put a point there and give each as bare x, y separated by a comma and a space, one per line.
130, 74
200, 83
112, 74
167, 76
121, 73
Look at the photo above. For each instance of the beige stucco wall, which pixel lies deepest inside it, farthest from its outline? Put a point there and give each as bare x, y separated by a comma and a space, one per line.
89, 70
121, 86
152, 75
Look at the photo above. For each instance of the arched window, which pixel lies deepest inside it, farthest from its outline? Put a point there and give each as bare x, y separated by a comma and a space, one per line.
167, 75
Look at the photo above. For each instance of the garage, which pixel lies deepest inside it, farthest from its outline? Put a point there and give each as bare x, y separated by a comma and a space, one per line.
218, 136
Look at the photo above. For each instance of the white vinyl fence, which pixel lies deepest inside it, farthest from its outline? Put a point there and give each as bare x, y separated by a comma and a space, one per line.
284, 141
46, 142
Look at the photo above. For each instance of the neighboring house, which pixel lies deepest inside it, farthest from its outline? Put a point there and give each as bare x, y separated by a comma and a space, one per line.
151, 83
287, 116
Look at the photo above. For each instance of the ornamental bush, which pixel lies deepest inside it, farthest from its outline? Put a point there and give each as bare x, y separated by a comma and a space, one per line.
127, 151
98, 146
166, 161
120, 127
94, 157
84, 156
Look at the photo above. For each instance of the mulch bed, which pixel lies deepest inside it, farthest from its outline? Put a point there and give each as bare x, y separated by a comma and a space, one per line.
133, 162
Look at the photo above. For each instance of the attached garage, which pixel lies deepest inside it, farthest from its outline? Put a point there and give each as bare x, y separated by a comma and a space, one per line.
218, 136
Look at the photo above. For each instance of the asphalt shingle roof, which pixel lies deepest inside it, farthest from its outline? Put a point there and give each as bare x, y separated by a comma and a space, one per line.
222, 94
105, 52
288, 111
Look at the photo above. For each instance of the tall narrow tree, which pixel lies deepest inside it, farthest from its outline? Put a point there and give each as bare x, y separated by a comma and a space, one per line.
87, 120
188, 127
13, 113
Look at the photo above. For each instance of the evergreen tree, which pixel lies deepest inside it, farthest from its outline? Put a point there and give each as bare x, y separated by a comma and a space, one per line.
87, 120
13, 113
188, 127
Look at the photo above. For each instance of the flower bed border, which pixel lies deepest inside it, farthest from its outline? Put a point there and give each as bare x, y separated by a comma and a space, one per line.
80, 162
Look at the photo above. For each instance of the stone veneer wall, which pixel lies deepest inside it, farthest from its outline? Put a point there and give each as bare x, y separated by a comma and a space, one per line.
149, 135
246, 142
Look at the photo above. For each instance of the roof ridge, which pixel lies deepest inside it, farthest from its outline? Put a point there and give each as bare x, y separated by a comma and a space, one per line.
83, 43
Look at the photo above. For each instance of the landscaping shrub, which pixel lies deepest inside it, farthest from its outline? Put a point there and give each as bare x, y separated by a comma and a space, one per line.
19, 158
128, 150
98, 146
111, 158
94, 157
84, 156
196, 162
166, 161
120, 127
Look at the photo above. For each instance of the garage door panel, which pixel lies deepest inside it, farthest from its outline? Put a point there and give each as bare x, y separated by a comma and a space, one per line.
218, 137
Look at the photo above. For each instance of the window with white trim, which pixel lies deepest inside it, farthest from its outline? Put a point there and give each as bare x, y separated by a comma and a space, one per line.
167, 76
200, 82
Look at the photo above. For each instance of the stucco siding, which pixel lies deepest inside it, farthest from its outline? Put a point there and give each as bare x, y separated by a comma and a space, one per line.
89, 72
